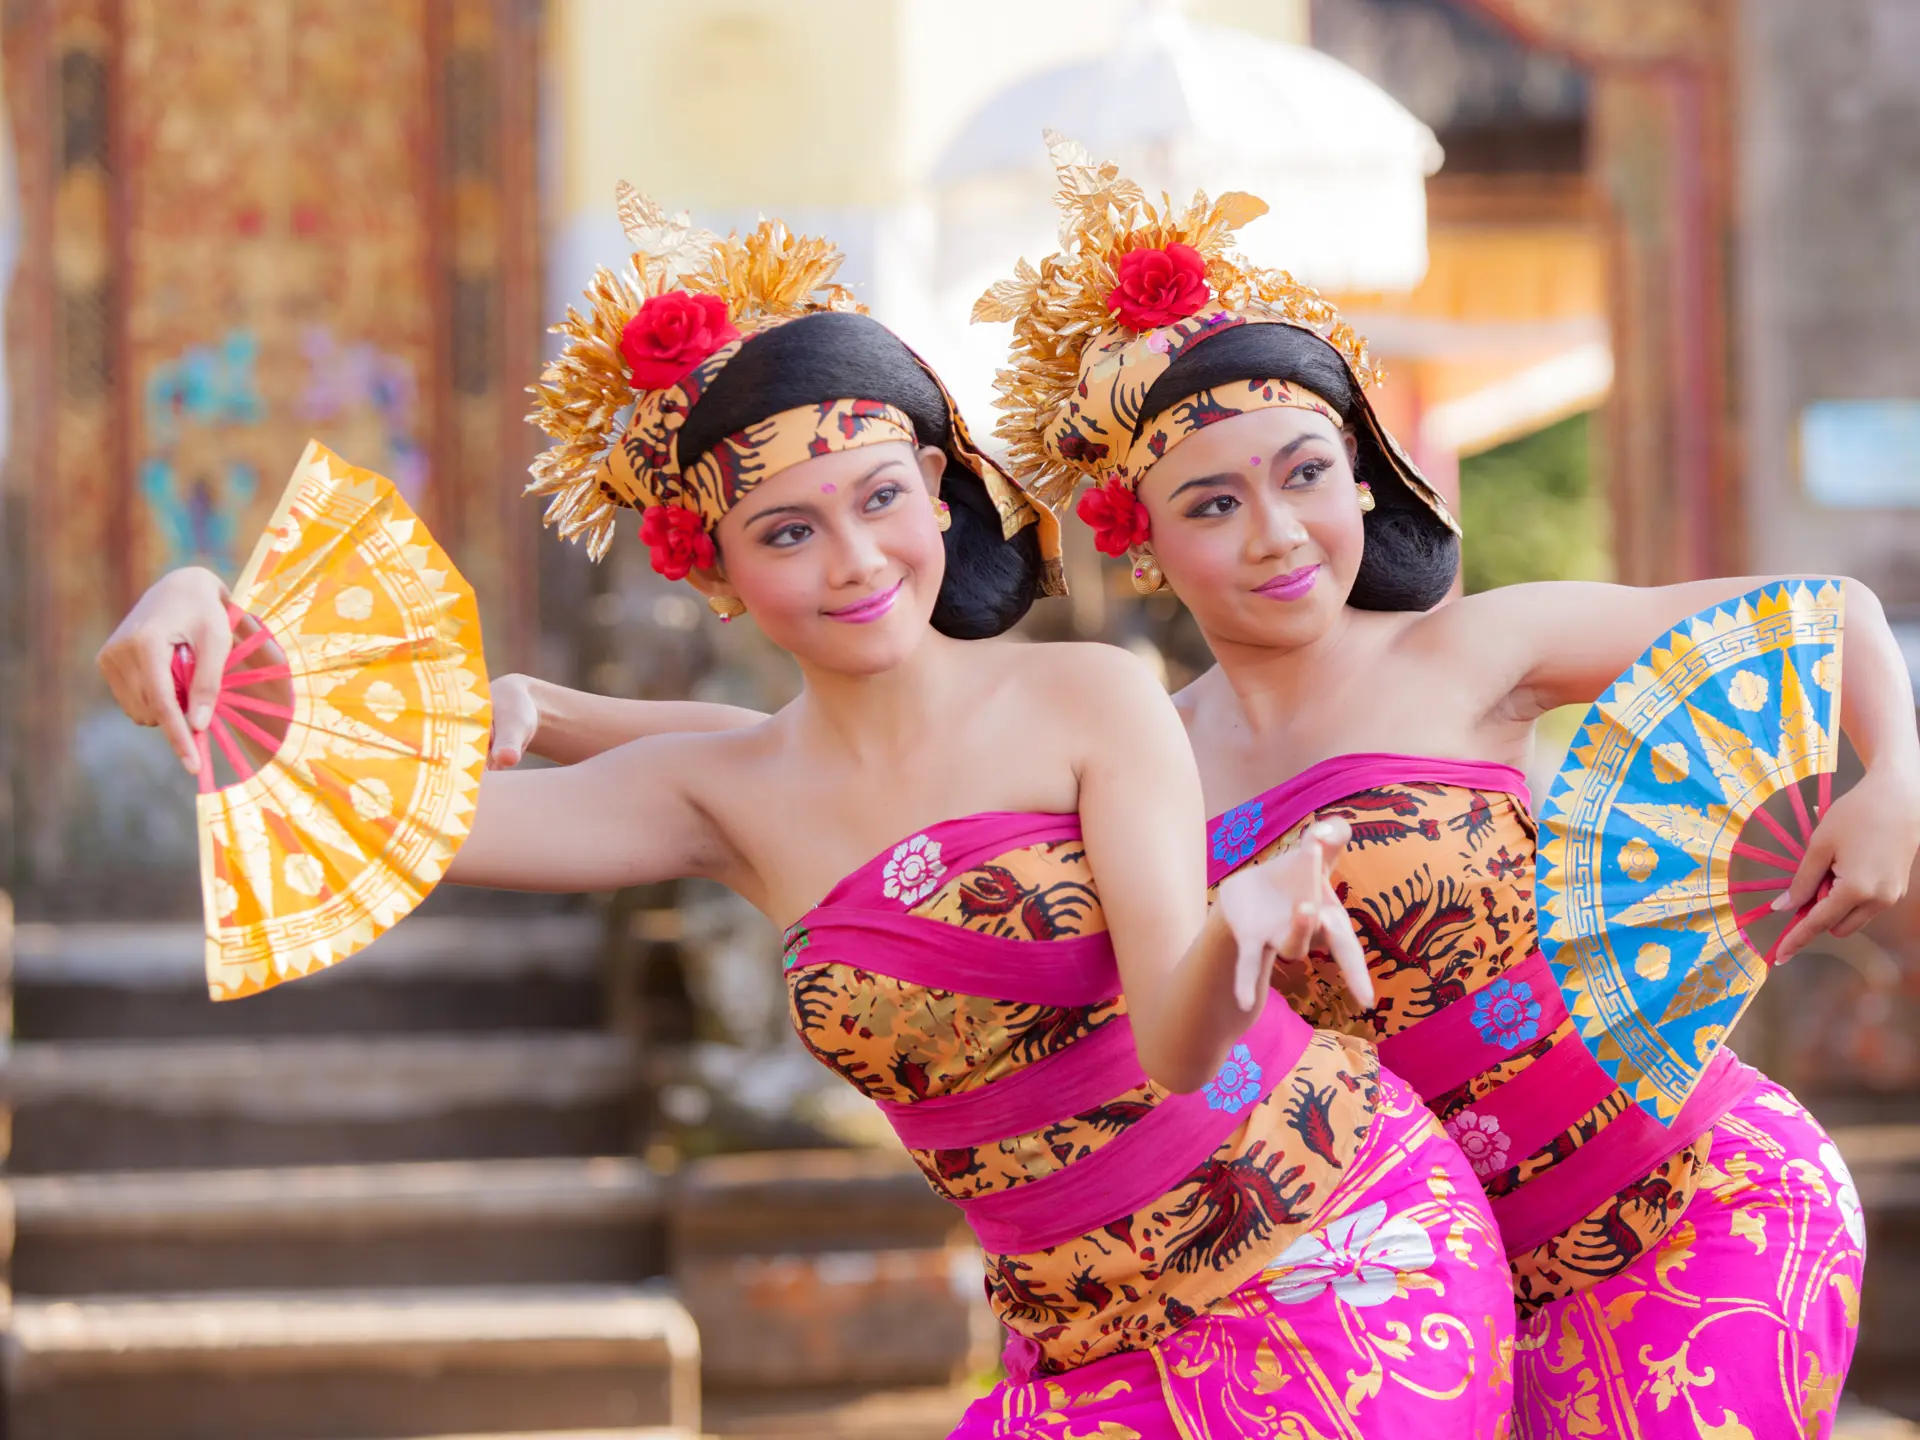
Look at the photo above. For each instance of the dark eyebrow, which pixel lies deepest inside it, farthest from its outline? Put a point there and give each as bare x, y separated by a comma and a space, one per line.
801, 509
1282, 453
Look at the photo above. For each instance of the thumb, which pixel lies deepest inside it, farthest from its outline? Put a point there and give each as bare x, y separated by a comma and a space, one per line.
210, 643
1806, 879
514, 722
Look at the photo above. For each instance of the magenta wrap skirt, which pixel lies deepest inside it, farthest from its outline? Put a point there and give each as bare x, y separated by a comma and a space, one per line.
1392, 1317
1738, 1325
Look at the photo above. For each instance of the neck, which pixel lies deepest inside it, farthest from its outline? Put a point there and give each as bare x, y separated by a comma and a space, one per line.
876, 719
1275, 686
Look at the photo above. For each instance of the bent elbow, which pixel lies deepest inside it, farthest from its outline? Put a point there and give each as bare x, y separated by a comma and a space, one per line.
1179, 1073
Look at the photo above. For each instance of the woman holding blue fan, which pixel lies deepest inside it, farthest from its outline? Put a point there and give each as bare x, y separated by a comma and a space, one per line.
1685, 1241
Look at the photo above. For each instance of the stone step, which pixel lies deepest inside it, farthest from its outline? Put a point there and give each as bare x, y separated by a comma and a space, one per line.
430, 974
352, 1366
86, 1105
827, 1268
925, 1412
464, 1222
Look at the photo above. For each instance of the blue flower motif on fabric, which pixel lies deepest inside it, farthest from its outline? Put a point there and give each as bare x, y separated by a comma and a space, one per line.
1506, 1014
1238, 834
1237, 1085
797, 940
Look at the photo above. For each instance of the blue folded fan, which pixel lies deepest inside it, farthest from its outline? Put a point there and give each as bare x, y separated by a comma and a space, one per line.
1644, 923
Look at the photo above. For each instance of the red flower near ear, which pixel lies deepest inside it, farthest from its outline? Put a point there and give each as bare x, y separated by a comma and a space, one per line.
1158, 287
673, 333
1118, 518
678, 539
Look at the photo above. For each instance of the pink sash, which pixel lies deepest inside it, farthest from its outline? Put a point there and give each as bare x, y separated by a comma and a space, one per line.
855, 926
1239, 834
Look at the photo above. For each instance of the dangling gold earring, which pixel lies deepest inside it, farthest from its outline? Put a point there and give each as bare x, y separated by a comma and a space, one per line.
942, 515
1147, 577
727, 607
1366, 497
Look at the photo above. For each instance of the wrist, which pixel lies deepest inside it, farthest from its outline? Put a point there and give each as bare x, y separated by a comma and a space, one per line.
1896, 765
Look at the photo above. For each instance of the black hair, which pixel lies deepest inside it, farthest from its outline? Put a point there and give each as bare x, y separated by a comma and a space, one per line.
991, 581
1410, 558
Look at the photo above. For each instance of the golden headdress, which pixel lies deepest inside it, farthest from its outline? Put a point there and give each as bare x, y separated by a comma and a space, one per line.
654, 336
1131, 289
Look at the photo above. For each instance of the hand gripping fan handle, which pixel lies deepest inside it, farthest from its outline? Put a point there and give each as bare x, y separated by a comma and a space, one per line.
185, 663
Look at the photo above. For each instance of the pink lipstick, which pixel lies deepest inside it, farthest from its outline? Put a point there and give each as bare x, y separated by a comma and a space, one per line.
1291, 586
865, 612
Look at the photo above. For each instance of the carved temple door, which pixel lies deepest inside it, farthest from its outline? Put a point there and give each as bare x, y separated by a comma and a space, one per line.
243, 223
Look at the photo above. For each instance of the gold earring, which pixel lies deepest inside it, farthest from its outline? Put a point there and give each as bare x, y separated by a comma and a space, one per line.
942, 515
727, 607
1366, 497
1147, 577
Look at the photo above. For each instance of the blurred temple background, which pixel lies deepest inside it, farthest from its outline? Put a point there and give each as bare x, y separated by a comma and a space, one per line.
1646, 278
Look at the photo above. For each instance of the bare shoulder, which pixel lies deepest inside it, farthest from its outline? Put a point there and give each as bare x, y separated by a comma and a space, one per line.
1076, 674
1469, 622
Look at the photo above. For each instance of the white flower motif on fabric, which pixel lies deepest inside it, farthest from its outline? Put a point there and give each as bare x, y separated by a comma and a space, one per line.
303, 875
914, 871
371, 798
1361, 1256
385, 701
353, 603
1481, 1140
1845, 1195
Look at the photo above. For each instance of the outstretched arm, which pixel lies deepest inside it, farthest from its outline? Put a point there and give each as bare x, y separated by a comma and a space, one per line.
622, 818
1144, 822
1566, 642
537, 717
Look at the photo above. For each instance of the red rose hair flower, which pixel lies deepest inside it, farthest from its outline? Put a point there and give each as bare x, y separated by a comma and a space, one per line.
678, 539
1158, 287
1118, 518
673, 333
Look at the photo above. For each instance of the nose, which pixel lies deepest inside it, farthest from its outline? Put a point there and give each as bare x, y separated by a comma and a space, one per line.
857, 557
1275, 530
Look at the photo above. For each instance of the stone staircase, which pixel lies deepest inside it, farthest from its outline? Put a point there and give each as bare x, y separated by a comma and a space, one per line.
397, 1199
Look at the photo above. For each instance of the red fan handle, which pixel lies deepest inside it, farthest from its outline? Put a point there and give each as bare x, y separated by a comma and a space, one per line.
228, 704
1805, 822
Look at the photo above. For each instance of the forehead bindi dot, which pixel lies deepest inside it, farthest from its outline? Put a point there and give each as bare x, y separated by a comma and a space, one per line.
828, 488
1253, 459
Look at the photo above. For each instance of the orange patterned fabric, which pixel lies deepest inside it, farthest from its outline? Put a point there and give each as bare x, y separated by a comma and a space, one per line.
1137, 1279
1439, 883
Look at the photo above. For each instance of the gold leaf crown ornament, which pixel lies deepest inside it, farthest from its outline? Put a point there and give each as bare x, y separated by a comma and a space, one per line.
1131, 289
654, 336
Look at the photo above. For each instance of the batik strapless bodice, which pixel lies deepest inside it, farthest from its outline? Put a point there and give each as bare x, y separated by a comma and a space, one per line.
1438, 880
964, 981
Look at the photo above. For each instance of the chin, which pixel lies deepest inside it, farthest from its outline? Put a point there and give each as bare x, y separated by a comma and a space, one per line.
1279, 626
873, 648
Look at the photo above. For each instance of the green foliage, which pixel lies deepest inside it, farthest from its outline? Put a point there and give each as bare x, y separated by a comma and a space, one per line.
1531, 513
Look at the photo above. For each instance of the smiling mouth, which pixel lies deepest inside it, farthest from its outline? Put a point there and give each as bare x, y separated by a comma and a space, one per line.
1291, 586
860, 612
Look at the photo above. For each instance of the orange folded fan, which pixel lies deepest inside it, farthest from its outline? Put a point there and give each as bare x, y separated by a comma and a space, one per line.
351, 724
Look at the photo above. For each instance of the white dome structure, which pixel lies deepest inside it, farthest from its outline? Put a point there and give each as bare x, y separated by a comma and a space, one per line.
1181, 106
